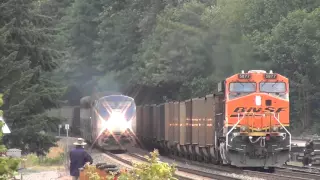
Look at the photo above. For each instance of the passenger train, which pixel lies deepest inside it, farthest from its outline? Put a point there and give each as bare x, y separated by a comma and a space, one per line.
108, 120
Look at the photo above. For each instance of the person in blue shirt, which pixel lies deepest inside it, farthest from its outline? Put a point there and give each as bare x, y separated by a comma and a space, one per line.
78, 158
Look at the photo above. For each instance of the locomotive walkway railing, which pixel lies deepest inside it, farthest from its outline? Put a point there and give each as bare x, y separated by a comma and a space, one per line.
241, 117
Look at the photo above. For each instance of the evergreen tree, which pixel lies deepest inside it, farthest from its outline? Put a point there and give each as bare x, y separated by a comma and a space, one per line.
26, 55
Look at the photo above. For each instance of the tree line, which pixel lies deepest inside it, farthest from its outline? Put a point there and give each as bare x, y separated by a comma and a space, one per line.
154, 50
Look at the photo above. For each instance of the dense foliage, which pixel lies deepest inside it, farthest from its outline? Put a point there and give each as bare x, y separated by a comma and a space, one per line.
27, 55
154, 50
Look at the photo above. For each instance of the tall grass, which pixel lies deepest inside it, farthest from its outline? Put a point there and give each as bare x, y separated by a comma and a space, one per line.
33, 160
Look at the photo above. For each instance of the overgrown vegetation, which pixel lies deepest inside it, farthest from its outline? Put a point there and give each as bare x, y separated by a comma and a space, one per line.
153, 50
152, 170
8, 165
33, 160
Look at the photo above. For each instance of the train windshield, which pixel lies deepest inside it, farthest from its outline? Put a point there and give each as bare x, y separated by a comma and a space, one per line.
273, 87
107, 104
117, 102
245, 87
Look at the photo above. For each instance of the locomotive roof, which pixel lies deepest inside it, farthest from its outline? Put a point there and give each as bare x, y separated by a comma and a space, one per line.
97, 96
117, 95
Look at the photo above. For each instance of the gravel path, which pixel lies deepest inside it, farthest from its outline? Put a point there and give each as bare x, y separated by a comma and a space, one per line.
97, 157
47, 175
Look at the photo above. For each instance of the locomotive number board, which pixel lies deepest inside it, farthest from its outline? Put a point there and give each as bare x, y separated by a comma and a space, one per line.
270, 76
244, 76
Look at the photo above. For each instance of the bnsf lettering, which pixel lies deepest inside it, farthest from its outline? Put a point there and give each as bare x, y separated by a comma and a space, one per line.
256, 110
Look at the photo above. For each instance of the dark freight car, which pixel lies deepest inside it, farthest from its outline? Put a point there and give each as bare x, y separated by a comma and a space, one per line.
139, 122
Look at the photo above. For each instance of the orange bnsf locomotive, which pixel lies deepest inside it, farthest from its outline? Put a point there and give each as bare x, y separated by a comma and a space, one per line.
256, 120
243, 124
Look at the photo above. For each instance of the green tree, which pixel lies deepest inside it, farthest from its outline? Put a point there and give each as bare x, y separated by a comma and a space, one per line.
26, 55
176, 52
294, 48
80, 25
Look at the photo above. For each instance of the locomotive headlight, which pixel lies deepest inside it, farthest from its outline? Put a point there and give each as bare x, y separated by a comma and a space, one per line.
117, 116
244, 128
275, 128
117, 122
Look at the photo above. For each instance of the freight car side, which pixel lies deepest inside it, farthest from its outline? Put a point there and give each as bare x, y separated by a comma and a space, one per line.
85, 120
176, 127
139, 122
187, 128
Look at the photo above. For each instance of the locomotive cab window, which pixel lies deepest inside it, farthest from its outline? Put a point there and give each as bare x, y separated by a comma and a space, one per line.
274, 88
102, 109
238, 89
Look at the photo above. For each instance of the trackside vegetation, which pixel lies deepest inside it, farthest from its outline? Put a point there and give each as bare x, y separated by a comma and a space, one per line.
8, 165
151, 170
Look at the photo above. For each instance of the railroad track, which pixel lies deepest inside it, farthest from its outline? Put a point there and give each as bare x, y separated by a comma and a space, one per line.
303, 168
183, 173
279, 174
298, 173
272, 176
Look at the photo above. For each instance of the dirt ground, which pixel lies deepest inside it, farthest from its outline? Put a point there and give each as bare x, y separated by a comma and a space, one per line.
54, 172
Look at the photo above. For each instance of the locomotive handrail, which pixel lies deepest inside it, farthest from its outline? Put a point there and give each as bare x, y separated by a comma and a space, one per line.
234, 126
277, 118
240, 119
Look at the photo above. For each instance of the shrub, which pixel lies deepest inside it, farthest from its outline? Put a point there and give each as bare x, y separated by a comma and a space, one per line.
8, 165
153, 170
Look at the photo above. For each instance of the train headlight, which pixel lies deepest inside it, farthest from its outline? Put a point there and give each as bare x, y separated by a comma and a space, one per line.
117, 122
244, 128
117, 116
275, 128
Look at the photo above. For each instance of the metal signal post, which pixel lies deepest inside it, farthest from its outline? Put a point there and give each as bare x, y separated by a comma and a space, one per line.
66, 126
60, 126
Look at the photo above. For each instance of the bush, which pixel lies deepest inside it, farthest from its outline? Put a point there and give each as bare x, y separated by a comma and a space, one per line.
8, 165
153, 170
